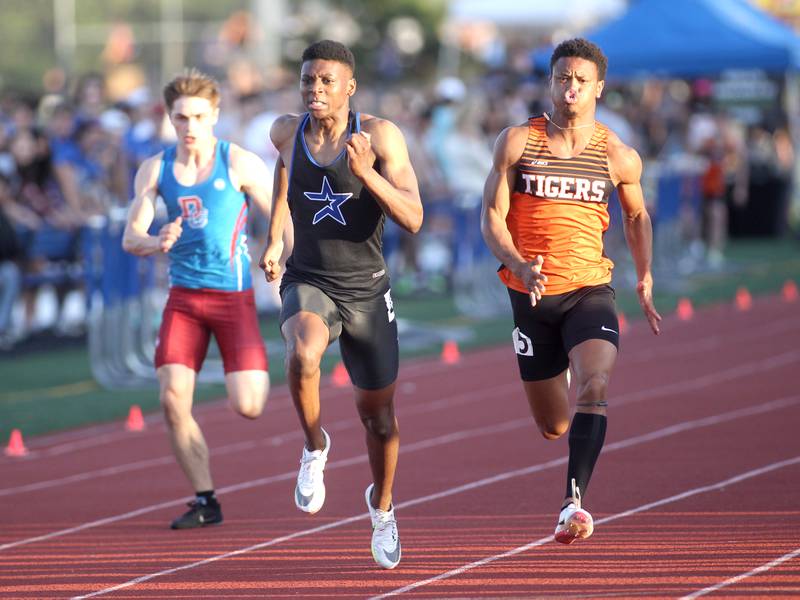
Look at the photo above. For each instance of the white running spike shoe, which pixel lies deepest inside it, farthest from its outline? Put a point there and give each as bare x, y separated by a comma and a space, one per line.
385, 538
573, 522
309, 493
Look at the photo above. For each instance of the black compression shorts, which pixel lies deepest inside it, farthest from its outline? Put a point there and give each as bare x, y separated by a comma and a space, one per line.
366, 329
545, 334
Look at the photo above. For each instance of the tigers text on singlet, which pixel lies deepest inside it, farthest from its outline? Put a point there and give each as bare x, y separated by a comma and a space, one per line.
212, 250
338, 225
559, 209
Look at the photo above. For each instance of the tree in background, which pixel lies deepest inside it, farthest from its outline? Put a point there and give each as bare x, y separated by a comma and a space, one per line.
392, 39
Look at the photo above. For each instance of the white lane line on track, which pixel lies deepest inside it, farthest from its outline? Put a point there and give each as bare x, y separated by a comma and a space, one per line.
773, 405
155, 425
710, 342
540, 542
417, 367
353, 460
680, 427
271, 441
343, 424
644, 507
737, 372
760, 569
219, 557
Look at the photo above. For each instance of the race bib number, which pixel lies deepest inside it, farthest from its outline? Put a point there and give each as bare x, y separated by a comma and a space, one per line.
523, 345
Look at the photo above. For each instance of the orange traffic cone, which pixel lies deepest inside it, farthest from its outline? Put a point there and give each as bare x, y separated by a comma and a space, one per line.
623, 323
340, 377
135, 422
16, 447
789, 291
450, 353
744, 301
685, 310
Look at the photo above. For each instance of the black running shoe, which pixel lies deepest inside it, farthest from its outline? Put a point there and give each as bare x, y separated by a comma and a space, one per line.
199, 515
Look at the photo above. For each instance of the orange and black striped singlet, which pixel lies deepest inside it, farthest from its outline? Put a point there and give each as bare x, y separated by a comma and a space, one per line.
559, 209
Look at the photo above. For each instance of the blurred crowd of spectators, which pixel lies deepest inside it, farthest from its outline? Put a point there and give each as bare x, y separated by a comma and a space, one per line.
67, 162
711, 171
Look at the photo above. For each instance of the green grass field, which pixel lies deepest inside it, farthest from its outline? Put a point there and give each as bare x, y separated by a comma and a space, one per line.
53, 389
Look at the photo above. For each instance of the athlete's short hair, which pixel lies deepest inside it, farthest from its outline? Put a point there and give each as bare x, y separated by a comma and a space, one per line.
581, 48
330, 50
192, 82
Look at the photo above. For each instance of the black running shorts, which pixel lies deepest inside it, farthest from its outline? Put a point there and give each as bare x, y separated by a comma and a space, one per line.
544, 334
366, 329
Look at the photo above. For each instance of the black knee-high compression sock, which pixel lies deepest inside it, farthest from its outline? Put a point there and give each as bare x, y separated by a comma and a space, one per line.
586, 436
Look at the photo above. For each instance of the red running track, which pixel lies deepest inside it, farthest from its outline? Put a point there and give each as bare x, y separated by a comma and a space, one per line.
694, 494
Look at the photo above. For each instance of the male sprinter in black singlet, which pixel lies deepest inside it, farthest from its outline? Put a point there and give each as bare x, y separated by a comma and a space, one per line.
346, 172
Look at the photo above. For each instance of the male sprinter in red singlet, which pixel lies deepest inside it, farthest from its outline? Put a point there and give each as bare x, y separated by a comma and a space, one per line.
545, 208
206, 185
346, 173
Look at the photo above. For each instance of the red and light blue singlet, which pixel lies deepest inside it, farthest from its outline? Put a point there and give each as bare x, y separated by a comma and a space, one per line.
212, 250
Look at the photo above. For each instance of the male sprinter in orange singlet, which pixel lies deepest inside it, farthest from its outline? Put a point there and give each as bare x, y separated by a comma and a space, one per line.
545, 208
207, 185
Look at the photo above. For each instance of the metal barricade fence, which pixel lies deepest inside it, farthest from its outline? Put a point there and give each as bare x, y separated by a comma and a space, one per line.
672, 193
477, 291
126, 295
677, 218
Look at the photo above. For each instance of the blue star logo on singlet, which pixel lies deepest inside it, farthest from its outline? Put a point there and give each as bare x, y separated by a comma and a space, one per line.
334, 208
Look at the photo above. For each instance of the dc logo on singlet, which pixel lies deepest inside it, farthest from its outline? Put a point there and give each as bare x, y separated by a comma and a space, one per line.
193, 212
523, 345
335, 201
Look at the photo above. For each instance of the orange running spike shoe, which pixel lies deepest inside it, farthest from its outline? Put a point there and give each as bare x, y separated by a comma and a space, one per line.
573, 522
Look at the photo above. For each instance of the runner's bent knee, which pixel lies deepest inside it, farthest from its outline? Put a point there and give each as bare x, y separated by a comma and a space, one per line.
303, 359
549, 403
176, 404
552, 430
592, 390
250, 409
250, 402
247, 392
380, 426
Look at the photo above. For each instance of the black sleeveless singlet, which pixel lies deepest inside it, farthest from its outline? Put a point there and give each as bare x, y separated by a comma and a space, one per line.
338, 226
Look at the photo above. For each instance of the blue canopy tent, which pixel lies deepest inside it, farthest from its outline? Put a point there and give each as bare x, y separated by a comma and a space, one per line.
691, 38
